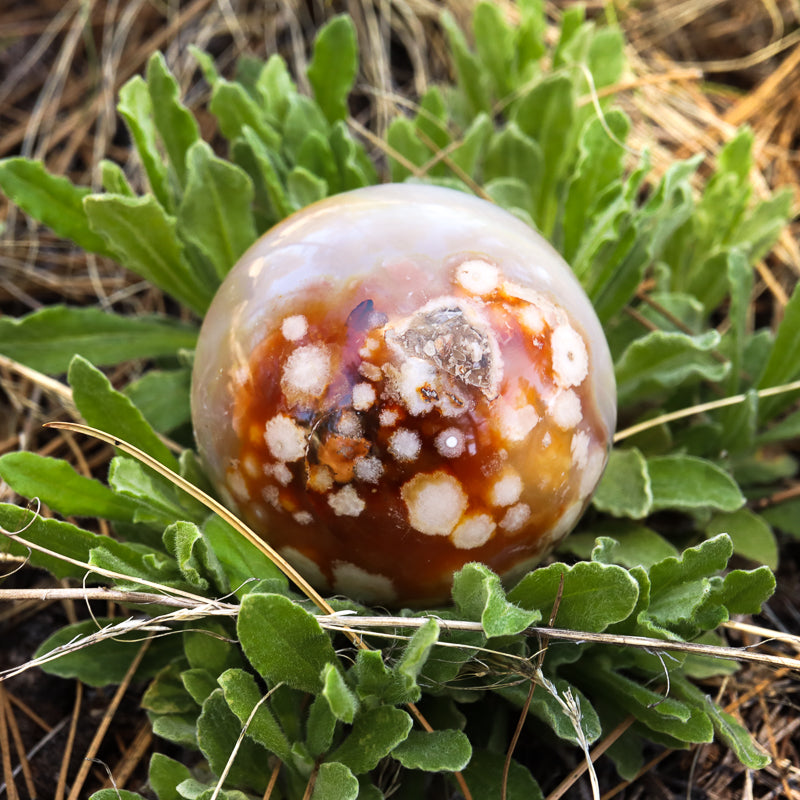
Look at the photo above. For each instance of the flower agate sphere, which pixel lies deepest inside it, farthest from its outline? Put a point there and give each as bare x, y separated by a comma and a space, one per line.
398, 380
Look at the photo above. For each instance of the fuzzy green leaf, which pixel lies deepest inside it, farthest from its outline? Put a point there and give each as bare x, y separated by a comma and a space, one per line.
160, 502
376, 683
746, 591
242, 560
61, 538
549, 710
343, 703
211, 645
46, 340
417, 651
52, 200
624, 489
276, 87
162, 396
726, 726
434, 751
660, 713
199, 683
600, 164
305, 188
218, 730
235, 110
115, 794
176, 125
633, 544
107, 661
686, 482
374, 735
546, 114
196, 560
752, 537
679, 586
215, 213
180, 729
107, 409
165, 775
494, 45
242, 695
783, 364
661, 360
484, 776
136, 107
113, 178
334, 65
283, 642
335, 782
740, 281
479, 594
785, 516
471, 77
320, 727
58, 485
354, 165
143, 238
594, 595
167, 694
402, 139
513, 154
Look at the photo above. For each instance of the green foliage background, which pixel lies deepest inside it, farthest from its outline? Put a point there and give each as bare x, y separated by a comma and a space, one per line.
513, 126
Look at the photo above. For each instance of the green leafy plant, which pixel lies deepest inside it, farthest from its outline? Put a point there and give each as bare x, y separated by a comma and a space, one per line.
267, 684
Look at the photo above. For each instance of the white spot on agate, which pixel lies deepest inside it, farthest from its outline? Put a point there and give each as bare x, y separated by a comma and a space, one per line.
237, 485
478, 277
565, 409
294, 328
251, 466
579, 448
592, 471
473, 531
306, 566
435, 503
349, 425
371, 372
413, 376
570, 359
506, 490
272, 495
306, 373
368, 469
515, 517
363, 396
285, 439
532, 320
566, 523
450, 443
320, 478
280, 472
388, 417
303, 518
516, 423
346, 502
350, 580
404, 445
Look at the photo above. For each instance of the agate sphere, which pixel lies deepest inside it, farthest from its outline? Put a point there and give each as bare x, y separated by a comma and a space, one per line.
398, 380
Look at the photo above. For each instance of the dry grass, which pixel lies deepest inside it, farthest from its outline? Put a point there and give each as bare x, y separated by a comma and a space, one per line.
698, 69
